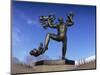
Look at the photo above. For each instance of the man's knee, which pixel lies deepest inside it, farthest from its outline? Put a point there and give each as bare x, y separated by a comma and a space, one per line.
48, 35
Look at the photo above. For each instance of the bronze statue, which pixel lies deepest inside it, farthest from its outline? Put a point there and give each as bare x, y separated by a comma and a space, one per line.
61, 26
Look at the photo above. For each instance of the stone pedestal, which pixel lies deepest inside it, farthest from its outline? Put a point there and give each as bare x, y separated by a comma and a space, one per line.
55, 62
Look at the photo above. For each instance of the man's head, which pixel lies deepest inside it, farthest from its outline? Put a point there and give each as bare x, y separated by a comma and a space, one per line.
60, 19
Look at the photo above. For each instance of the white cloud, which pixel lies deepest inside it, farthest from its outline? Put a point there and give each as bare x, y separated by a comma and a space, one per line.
29, 21
15, 35
26, 18
85, 60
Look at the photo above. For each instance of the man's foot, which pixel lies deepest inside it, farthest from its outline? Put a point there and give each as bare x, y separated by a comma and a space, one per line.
39, 51
63, 58
35, 52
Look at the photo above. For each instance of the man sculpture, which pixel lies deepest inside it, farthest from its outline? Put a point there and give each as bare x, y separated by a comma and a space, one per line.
61, 26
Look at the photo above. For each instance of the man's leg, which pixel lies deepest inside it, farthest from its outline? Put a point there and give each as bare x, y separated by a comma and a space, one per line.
64, 49
47, 40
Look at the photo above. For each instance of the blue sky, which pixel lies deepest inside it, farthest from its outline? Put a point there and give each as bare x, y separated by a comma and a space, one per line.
27, 32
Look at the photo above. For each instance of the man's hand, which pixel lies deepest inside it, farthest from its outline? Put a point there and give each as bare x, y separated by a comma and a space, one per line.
46, 21
69, 21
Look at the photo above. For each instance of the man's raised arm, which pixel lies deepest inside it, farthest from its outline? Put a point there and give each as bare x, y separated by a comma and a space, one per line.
48, 21
51, 25
69, 21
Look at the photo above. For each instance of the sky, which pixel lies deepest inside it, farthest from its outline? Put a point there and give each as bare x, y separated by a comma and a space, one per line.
27, 31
